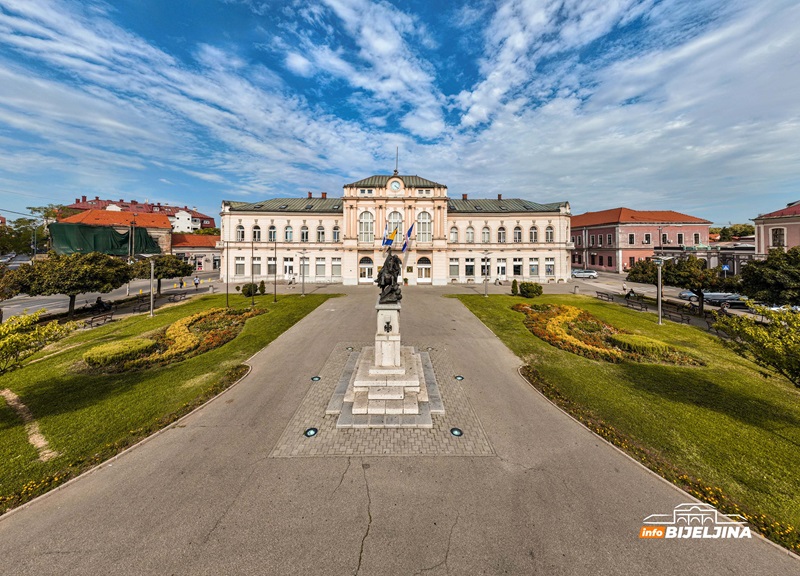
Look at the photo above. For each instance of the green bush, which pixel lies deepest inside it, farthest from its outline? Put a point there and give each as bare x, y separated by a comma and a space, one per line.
250, 290
514, 287
639, 344
530, 289
121, 351
262, 288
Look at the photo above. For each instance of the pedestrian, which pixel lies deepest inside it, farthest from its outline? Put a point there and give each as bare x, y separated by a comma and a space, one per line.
196, 282
624, 288
181, 283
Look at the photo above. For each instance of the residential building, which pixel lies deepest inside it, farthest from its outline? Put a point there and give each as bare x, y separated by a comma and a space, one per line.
614, 240
156, 226
778, 229
325, 239
183, 219
199, 250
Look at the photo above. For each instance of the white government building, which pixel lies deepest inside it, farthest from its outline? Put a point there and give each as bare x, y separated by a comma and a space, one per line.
338, 240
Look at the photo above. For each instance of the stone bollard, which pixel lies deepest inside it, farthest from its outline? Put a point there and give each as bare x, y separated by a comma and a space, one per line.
210, 288
576, 290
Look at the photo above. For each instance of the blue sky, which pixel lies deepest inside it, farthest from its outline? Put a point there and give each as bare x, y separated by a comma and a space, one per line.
690, 105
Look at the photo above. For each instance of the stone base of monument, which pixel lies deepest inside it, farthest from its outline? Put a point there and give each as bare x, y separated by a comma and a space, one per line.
387, 385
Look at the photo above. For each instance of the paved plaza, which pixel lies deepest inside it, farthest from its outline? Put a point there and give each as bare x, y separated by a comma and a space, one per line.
236, 488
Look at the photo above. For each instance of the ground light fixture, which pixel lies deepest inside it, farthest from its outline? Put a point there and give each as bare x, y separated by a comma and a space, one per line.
315, 378
459, 377
310, 432
456, 432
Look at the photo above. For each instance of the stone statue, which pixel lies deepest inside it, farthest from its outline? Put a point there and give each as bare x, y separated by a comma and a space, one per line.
387, 279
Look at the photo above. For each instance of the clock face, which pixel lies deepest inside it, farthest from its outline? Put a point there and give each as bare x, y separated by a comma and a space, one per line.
395, 185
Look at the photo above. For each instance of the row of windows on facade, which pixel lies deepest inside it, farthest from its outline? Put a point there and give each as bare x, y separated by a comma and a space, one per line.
578, 240
517, 266
366, 231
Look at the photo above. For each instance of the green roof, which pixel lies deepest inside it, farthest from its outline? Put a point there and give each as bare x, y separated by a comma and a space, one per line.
305, 205
380, 181
485, 205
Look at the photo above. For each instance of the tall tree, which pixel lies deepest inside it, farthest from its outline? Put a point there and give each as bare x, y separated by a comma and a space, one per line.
775, 280
69, 275
732, 231
687, 273
166, 266
207, 231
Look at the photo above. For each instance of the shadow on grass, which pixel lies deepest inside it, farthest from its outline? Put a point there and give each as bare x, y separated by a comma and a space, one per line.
693, 387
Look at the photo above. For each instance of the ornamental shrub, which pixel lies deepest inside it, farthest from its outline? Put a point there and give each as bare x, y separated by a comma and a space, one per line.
120, 351
250, 290
639, 344
530, 289
262, 288
514, 287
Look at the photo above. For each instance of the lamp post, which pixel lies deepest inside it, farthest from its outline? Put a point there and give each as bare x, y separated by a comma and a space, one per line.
659, 262
275, 271
152, 280
252, 277
302, 254
485, 262
227, 271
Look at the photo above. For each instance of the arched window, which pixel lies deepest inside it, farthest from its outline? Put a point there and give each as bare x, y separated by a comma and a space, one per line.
548, 234
366, 227
335, 233
320, 234
271, 236
485, 235
470, 235
501, 234
517, 234
287, 234
424, 227
304, 234
533, 235
256, 233
240, 233
395, 221
454, 235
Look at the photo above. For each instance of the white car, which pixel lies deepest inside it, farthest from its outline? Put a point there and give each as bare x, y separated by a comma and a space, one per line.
581, 273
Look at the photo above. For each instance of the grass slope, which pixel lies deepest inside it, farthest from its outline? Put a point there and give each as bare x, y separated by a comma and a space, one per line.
724, 424
90, 417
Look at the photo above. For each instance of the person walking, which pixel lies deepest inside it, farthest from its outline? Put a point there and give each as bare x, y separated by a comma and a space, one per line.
181, 284
624, 288
196, 282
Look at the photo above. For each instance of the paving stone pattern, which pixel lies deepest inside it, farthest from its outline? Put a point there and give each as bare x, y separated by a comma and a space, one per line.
436, 441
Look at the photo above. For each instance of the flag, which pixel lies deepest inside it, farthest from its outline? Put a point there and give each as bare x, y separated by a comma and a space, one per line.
389, 240
407, 240
385, 234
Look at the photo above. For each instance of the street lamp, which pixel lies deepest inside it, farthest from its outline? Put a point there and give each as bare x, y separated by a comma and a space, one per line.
227, 271
302, 254
252, 277
275, 270
488, 269
659, 262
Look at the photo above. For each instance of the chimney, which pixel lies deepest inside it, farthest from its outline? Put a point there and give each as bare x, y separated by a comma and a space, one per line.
83, 198
324, 195
309, 194
97, 197
499, 196
463, 196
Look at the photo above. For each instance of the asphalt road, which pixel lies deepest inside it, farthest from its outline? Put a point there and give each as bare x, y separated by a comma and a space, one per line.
204, 497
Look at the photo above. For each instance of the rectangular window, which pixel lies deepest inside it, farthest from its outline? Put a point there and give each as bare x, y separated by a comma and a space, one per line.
239, 266
778, 237
304, 234
335, 233
257, 266
533, 267
517, 267
320, 234
664, 239
336, 266
486, 266
469, 267
288, 266
680, 238
601, 260
501, 266
599, 239
256, 234
631, 238
591, 240
271, 266
608, 239
454, 267
320, 266
550, 266
697, 238
580, 240
304, 266
631, 260
271, 234
646, 239
610, 262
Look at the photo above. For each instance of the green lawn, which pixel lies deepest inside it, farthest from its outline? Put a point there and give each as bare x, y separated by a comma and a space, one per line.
90, 417
723, 431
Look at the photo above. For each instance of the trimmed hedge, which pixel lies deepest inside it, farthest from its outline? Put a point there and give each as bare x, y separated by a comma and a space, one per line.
530, 289
121, 351
249, 290
639, 344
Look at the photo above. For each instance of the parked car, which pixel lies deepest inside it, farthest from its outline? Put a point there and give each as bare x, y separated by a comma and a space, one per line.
581, 273
731, 300
687, 295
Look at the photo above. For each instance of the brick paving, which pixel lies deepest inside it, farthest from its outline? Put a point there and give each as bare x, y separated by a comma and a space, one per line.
436, 441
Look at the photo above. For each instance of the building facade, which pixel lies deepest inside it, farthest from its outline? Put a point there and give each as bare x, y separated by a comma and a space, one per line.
158, 226
199, 250
340, 239
779, 229
614, 240
182, 219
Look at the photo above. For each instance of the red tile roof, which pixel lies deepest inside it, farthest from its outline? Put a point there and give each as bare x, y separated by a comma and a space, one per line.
114, 218
628, 216
194, 240
791, 210
139, 208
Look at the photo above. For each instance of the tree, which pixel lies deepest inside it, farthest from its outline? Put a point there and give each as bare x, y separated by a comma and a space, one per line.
207, 231
773, 343
69, 275
732, 231
22, 336
775, 280
514, 287
688, 273
166, 266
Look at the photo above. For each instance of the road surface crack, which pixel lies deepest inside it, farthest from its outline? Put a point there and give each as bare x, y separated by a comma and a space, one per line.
447, 551
342, 478
369, 522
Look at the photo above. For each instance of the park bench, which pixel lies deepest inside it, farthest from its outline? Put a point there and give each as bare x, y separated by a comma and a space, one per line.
177, 296
677, 317
100, 319
141, 305
636, 305
605, 296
